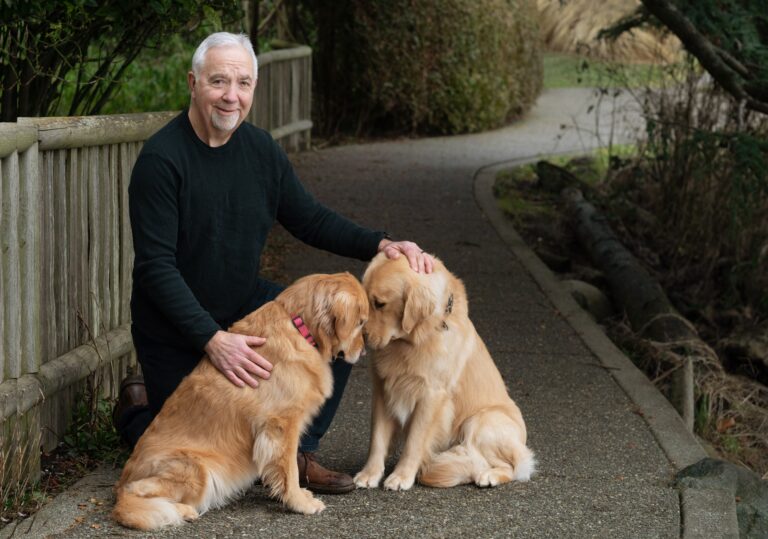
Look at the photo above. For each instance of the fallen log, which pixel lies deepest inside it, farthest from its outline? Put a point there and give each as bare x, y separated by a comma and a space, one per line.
647, 307
635, 291
733, 404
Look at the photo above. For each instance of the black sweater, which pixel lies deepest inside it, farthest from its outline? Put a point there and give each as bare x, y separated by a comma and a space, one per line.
200, 217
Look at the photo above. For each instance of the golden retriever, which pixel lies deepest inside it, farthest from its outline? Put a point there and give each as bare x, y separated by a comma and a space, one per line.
212, 440
435, 382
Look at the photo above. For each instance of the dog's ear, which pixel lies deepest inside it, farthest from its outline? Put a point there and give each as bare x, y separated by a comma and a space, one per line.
419, 304
333, 306
345, 312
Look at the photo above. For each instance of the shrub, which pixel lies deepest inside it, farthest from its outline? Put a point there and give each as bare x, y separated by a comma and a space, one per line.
708, 172
447, 66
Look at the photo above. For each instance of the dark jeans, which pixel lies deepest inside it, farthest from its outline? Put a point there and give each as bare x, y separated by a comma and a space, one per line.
164, 367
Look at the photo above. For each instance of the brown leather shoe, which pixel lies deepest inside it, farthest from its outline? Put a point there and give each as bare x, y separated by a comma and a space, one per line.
315, 477
132, 393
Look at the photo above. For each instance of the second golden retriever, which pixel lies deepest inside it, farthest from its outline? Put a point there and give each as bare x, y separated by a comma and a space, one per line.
212, 439
434, 381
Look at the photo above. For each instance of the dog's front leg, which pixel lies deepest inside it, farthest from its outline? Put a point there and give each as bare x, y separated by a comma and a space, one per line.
275, 451
423, 427
383, 428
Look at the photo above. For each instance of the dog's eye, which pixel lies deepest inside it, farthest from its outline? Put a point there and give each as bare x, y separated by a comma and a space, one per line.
377, 304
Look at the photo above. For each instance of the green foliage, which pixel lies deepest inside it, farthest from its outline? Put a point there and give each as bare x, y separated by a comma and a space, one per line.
91, 432
436, 67
89, 43
155, 81
739, 27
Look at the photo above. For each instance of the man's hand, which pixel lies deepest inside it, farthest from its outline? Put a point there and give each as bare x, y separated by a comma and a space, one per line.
419, 261
232, 354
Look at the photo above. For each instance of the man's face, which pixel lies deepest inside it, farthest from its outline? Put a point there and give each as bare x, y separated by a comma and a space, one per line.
222, 94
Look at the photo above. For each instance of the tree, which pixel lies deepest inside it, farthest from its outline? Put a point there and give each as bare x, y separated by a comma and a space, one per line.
729, 38
45, 44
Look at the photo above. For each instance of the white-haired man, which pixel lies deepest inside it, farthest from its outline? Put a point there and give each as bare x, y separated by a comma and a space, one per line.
204, 193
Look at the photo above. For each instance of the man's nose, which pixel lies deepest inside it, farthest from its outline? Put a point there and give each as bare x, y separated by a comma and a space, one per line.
231, 93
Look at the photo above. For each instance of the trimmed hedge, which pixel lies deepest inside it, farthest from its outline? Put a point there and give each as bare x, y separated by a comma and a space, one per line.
444, 66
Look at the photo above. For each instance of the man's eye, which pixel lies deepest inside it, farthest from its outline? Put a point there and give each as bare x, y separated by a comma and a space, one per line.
377, 304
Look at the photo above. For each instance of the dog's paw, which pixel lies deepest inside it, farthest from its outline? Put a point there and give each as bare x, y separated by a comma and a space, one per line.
493, 477
187, 512
397, 481
305, 503
368, 478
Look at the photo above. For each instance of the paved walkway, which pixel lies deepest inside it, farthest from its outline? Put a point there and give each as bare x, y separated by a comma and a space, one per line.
607, 443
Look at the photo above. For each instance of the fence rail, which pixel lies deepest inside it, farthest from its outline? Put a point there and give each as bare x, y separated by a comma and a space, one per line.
66, 251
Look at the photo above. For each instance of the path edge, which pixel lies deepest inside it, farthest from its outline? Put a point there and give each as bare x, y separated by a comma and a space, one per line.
702, 513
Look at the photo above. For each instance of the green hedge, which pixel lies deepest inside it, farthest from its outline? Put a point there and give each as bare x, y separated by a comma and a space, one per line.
444, 66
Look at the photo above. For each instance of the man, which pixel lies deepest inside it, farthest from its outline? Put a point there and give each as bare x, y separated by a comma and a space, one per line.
204, 193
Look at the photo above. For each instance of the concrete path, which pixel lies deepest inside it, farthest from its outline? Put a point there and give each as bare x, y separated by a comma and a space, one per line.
607, 443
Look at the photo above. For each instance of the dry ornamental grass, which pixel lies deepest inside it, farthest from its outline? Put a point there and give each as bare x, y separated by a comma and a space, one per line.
572, 26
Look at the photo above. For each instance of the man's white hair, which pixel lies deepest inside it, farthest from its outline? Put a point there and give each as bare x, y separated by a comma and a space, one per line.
223, 39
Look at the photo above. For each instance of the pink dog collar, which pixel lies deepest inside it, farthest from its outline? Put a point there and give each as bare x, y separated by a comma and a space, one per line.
304, 330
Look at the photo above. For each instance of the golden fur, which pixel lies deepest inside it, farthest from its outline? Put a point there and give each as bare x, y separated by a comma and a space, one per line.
211, 439
434, 381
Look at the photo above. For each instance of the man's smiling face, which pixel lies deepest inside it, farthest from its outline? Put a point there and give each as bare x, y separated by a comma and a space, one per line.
222, 93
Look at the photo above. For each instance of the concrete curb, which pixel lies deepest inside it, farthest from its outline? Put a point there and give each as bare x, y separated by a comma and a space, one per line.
703, 513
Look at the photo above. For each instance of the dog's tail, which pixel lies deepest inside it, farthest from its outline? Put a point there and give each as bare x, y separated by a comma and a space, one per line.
460, 465
521, 458
493, 451
143, 513
450, 468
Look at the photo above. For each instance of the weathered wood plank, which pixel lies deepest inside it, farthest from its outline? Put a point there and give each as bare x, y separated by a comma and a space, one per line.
128, 154
282, 55
4, 367
29, 223
47, 298
14, 138
80, 131
94, 243
56, 171
113, 180
11, 279
103, 224
290, 129
79, 296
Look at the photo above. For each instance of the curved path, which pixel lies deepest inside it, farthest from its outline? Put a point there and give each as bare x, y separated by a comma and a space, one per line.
608, 445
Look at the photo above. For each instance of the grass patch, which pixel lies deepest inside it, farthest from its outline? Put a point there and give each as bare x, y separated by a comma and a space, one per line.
569, 70
513, 191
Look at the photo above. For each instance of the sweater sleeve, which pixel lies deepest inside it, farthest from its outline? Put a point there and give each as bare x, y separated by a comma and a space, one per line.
154, 214
316, 225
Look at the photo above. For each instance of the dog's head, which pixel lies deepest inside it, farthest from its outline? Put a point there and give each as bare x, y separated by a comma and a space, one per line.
402, 301
334, 308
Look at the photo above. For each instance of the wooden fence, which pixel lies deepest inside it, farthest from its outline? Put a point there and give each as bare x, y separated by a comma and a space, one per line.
66, 252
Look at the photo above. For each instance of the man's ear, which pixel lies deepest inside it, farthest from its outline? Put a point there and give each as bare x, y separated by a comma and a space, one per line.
191, 81
419, 304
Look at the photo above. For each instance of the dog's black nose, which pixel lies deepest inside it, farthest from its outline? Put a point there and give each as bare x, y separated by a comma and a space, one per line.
340, 355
